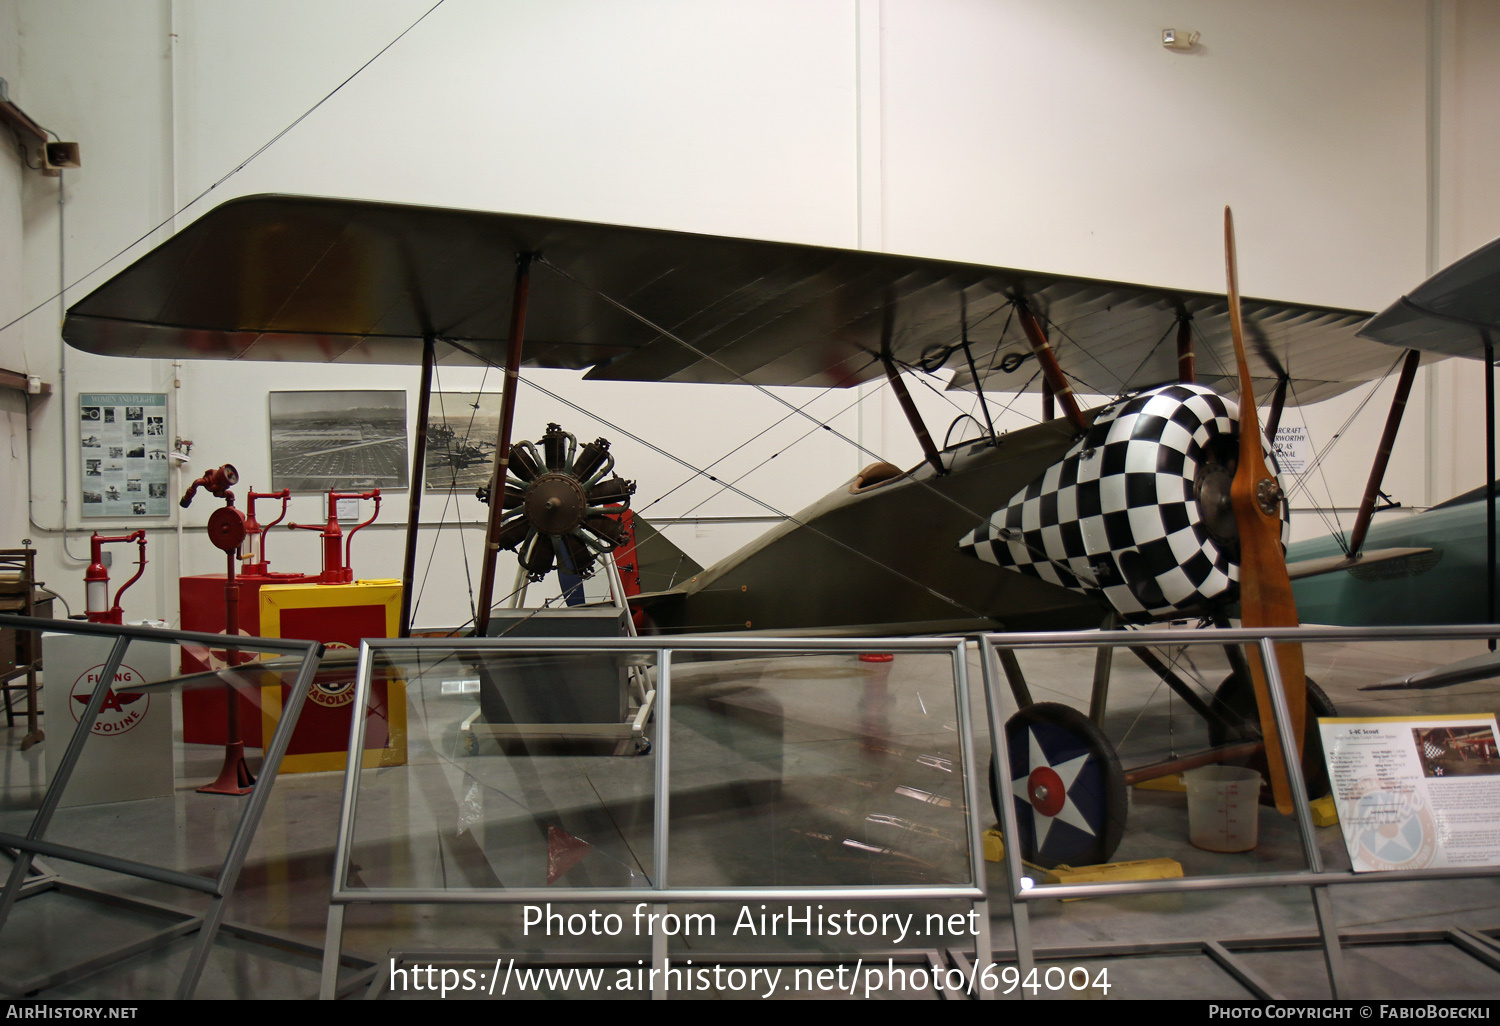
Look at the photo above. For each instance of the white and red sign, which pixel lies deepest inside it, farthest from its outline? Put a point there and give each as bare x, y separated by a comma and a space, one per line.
120, 712
128, 754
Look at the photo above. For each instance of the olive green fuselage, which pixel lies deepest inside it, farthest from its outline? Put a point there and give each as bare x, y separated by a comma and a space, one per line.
885, 560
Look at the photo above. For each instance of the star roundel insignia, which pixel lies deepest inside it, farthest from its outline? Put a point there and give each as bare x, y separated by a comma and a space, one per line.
1045, 790
1066, 785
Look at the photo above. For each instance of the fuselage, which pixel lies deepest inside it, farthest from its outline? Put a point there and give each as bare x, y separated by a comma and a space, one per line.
1443, 586
884, 558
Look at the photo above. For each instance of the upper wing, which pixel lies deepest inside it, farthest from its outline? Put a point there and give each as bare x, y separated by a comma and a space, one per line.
300, 278
1448, 313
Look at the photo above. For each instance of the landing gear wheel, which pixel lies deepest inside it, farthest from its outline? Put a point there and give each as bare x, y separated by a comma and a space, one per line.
1067, 784
1237, 702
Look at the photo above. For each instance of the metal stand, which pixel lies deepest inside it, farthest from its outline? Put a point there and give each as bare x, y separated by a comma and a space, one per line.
22, 882
660, 894
1315, 877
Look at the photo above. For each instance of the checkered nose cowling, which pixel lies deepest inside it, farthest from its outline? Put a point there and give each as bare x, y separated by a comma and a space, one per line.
1137, 512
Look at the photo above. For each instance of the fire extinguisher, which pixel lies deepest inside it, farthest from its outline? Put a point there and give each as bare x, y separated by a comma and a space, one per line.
96, 578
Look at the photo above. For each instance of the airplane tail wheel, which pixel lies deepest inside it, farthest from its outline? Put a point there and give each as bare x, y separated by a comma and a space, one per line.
1236, 700
1067, 784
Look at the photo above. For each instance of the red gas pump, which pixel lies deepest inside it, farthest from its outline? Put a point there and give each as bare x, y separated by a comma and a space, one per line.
290, 605
226, 529
338, 568
261, 567
96, 578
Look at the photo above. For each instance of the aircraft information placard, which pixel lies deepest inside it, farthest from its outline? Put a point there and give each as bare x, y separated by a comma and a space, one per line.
122, 438
1416, 793
1292, 449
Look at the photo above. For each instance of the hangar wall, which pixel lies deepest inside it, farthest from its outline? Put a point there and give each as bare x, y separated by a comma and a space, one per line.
1054, 135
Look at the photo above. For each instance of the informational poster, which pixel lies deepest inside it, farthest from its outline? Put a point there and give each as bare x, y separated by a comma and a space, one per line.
1416, 793
123, 442
1292, 449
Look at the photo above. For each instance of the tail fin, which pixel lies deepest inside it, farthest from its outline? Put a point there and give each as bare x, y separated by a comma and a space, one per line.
661, 565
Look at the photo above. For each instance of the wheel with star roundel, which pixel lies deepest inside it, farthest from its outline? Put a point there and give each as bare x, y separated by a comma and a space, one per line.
1067, 784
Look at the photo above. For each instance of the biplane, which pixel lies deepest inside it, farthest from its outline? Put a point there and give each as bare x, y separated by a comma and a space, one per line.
1450, 548
1133, 511
1446, 554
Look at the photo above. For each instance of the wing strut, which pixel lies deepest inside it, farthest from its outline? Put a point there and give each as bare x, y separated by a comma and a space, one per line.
912, 416
1187, 366
1489, 474
1383, 453
969, 355
502, 445
1278, 403
414, 501
1047, 359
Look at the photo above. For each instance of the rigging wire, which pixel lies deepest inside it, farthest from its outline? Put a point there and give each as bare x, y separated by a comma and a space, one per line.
664, 333
1334, 526
1077, 378
1338, 528
1208, 347
746, 495
923, 375
442, 522
946, 352
804, 436
1023, 389
448, 500
222, 179
1374, 387
704, 472
1152, 352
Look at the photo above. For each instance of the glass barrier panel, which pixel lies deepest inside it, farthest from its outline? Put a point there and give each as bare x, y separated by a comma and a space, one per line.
1175, 767
518, 770
133, 792
826, 769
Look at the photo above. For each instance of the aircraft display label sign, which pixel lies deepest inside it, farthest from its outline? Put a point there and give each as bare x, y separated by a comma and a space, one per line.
123, 446
1292, 449
1416, 793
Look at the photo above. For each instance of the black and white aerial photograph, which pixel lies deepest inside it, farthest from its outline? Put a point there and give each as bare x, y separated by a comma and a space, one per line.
351, 440
461, 431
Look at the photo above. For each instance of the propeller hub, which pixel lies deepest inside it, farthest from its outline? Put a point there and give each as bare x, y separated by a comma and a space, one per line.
1268, 496
555, 504
1211, 491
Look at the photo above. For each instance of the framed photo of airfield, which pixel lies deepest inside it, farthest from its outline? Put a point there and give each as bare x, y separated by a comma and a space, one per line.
461, 433
352, 441
123, 445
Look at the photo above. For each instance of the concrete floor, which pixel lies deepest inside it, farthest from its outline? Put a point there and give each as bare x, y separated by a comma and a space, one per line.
796, 771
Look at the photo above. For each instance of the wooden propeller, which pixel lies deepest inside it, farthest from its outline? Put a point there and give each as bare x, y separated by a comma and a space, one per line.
1265, 589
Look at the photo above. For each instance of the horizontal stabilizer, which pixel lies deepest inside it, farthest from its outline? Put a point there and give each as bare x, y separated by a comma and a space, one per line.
1328, 564
1480, 667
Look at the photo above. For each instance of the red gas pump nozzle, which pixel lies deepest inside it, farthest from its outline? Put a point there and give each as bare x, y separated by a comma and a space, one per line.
96, 577
217, 482
337, 565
